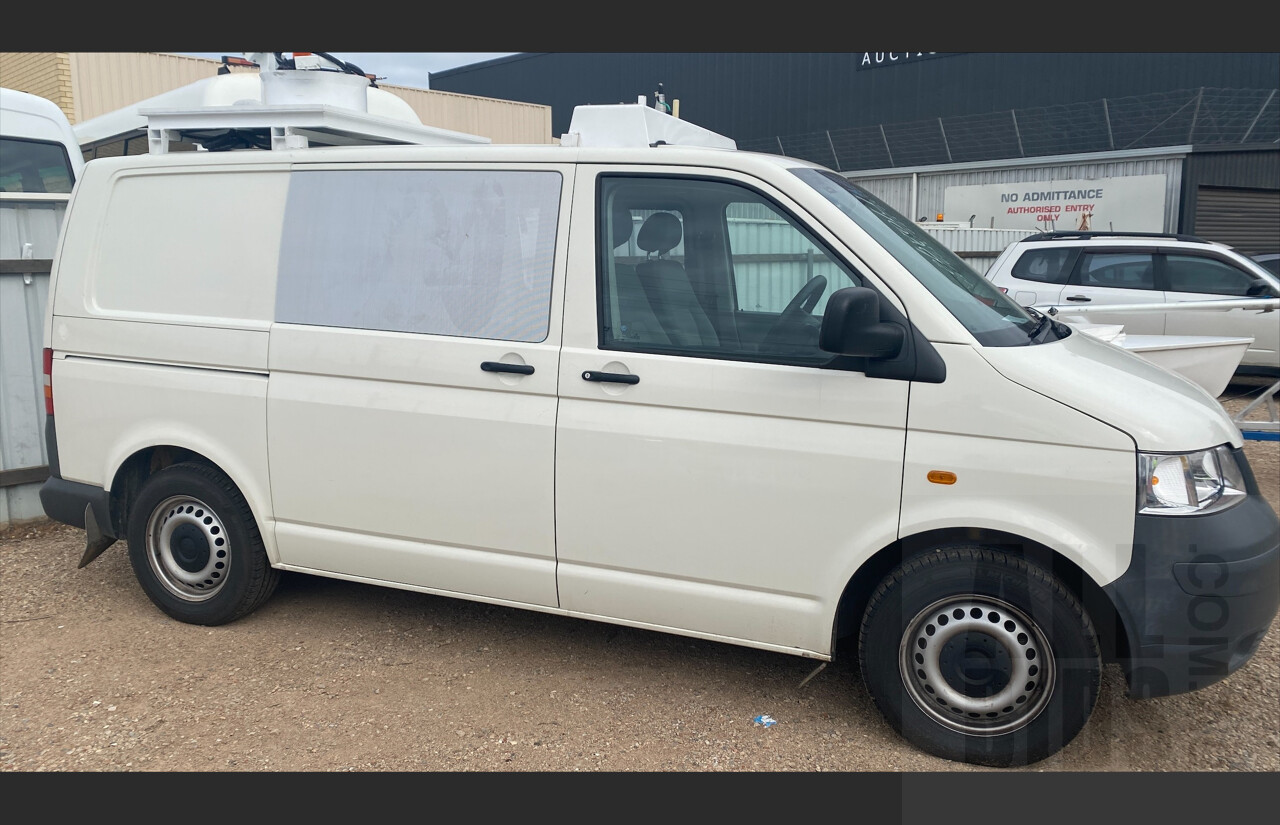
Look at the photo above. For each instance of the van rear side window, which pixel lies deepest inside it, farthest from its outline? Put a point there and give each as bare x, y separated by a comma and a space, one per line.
33, 166
467, 253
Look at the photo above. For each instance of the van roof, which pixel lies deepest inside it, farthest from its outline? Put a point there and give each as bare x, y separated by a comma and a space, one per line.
479, 153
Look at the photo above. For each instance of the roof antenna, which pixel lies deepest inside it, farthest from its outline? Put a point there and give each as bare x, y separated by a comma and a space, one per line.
660, 101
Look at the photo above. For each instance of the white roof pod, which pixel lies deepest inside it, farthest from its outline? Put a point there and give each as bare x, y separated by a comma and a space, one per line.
295, 107
636, 125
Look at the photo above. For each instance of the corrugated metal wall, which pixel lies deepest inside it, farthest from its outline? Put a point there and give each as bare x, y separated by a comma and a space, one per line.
1246, 219
977, 247
106, 81
23, 298
762, 95
502, 121
28, 236
1231, 196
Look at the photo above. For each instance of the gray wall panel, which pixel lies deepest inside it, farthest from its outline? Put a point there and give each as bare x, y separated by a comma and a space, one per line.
23, 298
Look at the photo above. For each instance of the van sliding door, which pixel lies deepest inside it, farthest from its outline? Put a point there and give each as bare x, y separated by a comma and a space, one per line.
412, 399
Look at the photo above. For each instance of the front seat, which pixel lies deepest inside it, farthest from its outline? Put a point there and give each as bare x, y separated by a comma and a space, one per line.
667, 287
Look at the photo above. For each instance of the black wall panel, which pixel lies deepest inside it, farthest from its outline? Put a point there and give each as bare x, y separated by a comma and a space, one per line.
754, 96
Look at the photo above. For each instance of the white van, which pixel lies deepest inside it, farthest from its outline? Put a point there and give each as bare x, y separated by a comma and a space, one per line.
676, 387
40, 152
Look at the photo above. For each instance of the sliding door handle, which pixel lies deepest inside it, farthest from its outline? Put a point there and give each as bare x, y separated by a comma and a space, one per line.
611, 377
498, 366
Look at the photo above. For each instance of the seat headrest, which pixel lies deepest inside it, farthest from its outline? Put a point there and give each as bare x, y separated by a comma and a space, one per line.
659, 233
622, 225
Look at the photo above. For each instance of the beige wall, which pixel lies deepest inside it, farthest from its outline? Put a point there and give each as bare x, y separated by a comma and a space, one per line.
47, 74
502, 121
89, 84
106, 81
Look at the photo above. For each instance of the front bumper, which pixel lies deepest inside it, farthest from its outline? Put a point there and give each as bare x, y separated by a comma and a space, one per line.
1199, 594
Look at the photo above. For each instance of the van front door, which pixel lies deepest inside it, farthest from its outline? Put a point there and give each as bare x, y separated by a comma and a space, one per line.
412, 398
712, 477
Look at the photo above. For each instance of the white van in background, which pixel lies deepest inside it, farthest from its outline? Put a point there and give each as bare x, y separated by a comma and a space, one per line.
643, 378
40, 162
39, 153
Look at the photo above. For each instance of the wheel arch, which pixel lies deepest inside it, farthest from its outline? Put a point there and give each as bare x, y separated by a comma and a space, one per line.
1107, 621
132, 473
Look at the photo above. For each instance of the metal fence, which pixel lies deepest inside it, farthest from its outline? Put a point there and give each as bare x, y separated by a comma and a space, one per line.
29, 225
1201, 117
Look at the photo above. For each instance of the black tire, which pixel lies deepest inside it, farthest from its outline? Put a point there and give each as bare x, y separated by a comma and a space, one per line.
195, 547
948, 639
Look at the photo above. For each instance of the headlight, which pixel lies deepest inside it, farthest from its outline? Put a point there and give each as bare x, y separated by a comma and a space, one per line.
1189, 483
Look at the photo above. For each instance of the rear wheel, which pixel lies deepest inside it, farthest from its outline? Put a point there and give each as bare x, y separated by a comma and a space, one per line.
195, 547
977, 656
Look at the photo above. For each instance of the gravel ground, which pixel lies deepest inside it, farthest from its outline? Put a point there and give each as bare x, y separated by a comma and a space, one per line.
334, 676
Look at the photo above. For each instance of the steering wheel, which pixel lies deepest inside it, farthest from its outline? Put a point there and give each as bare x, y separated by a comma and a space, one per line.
798, 309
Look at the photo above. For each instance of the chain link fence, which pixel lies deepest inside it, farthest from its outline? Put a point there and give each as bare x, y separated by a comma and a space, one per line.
1200, 117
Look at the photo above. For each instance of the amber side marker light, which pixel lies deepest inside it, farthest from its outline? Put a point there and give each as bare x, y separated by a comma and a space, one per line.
942, 477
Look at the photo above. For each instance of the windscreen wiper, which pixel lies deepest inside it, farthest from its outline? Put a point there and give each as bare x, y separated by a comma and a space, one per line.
1042, 321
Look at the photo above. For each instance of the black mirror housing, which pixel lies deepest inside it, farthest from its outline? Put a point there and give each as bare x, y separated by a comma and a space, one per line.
851, 326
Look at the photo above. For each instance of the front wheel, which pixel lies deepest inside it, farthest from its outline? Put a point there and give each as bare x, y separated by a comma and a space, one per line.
981, 657
195, 547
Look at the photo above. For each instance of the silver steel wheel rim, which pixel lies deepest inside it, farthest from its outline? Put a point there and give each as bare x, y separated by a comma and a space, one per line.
977, 665
188, 548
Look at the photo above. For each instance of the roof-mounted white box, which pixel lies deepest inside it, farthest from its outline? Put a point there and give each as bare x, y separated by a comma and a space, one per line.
634, 125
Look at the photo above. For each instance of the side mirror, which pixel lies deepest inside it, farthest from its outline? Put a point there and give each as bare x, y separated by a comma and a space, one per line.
851, 325
1258, 289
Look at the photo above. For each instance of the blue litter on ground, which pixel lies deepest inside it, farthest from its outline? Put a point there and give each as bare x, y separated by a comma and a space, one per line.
767, 721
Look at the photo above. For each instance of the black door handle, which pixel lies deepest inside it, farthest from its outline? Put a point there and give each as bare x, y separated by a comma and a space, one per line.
611, 377
498, 366
1079, 298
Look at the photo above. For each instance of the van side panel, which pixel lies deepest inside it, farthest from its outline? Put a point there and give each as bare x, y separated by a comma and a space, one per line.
162, 253
160, 324
108, 410
1024, 464
412, 402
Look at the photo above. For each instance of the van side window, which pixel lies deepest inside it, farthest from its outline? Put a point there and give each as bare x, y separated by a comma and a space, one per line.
710, 269
466, 253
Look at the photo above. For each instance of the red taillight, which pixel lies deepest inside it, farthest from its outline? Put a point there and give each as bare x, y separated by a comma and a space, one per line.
1002, 289
48, 381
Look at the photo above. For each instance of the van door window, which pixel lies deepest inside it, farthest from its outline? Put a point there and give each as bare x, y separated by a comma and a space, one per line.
467, 253
710, 269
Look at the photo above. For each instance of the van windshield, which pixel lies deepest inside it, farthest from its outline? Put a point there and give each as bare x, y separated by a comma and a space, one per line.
993, 318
